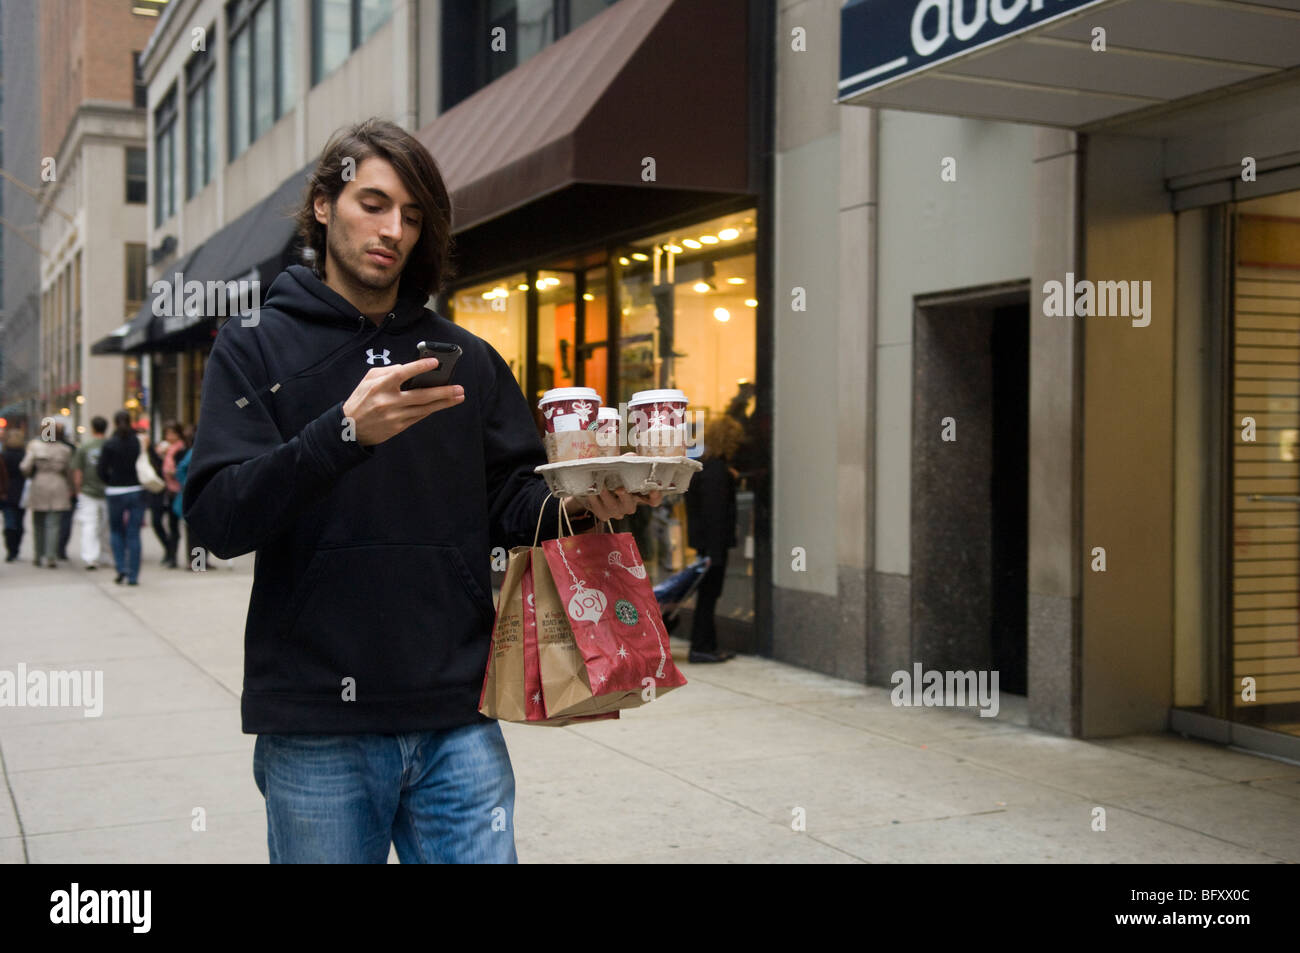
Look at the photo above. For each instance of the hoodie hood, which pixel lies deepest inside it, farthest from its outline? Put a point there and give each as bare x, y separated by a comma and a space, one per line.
299, 293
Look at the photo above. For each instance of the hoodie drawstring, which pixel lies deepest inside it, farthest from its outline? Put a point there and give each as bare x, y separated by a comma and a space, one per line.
332, 358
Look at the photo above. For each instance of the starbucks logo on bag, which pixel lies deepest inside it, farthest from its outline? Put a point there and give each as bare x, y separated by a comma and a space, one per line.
625, 611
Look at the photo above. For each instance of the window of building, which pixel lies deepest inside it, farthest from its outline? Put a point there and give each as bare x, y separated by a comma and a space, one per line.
688, 320
165, 158
137, 176
200, 122
141, 88
497, 312
338, 27
262, 67
471, 59
136, 280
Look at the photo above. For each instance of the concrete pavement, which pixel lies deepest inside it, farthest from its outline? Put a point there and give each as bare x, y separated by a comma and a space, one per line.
724, 770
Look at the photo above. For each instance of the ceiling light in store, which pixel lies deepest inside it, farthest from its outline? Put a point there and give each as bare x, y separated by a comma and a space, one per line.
522, 286
675, 249
702, 287
65, 412
751, 302
640, 256
735, 281
709, 239
81, 398
588, 296
690, 243
722, 314
727, 234
624, 261
627, 310
551, 280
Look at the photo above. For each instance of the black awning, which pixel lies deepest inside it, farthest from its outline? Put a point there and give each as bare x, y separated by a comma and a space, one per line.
256, 246
134, 336
256, 243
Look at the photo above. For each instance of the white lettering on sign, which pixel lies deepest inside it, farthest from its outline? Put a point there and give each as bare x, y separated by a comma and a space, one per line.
951, 19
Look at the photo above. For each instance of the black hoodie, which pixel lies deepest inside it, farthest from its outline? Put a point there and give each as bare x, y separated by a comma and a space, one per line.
371, 608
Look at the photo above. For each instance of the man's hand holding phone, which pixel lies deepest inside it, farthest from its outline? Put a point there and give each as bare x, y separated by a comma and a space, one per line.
380, 409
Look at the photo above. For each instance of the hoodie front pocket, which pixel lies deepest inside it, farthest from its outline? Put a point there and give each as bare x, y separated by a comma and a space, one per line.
395, 618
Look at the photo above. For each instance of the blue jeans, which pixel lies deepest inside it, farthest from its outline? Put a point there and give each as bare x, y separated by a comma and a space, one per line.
124, 534
437, 796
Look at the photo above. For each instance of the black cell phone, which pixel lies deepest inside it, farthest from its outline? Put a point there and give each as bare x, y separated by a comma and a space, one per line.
440, 376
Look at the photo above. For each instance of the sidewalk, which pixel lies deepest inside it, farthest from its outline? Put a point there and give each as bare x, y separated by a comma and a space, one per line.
718, 771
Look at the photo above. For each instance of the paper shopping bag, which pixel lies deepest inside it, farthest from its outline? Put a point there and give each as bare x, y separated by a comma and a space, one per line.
512, 689
609, 607
503, 695
566, 687
534, 702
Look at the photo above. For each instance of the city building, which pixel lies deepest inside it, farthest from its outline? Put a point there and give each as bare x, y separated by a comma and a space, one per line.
605, 162
89, 128
19, 238
1058, 319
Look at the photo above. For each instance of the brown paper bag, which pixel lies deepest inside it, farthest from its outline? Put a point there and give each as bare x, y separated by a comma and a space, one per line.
506, 682
503, 683
566, 687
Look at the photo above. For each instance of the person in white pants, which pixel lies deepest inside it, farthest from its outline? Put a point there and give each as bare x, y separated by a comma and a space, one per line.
92, 506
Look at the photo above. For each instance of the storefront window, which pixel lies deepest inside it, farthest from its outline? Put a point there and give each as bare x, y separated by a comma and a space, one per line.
1264, 659
688, 306
556, 331
593, 349
497, 312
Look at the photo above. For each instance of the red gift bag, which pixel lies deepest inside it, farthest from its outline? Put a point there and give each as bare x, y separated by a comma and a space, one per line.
534, 702
613, 612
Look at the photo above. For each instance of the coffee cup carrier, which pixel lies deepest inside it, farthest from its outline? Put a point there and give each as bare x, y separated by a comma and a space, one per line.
631, 472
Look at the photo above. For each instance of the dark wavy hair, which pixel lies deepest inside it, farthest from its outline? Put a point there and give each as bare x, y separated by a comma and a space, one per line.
429, 265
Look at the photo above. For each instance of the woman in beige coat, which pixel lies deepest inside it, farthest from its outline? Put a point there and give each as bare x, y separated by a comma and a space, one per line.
47, 464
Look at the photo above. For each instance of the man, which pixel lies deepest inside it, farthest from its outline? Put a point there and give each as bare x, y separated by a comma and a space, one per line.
92, 505
373, 512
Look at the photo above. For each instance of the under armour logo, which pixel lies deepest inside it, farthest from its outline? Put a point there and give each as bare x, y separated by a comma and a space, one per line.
371, 356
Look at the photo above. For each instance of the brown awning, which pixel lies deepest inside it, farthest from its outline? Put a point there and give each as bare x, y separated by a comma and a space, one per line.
659, 78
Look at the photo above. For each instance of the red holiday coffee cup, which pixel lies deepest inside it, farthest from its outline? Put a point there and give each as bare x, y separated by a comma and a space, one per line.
571, 422
608, 424
657, 422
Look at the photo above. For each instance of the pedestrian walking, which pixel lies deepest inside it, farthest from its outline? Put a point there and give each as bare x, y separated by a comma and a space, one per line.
155, 502
14, 511
711, 530
47, 463
373, 511
169, 450
125, 496
65, 518
92, 505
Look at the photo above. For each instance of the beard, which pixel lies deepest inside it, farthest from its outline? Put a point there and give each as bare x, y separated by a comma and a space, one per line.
352, 262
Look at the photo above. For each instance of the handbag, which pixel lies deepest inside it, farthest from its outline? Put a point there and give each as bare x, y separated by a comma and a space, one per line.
26, 495
146, 474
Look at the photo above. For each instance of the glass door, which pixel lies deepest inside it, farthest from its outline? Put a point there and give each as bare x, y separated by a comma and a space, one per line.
1263, 665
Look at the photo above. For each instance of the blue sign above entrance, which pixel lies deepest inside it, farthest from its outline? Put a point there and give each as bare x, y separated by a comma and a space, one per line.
884, 40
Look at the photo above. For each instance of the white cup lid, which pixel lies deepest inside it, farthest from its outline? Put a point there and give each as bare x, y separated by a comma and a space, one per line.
609, 413
657, 396
569, 393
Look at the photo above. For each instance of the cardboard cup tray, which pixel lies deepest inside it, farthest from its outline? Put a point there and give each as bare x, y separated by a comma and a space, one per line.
634, 473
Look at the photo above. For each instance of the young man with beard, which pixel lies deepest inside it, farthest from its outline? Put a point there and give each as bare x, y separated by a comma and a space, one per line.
373, 512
